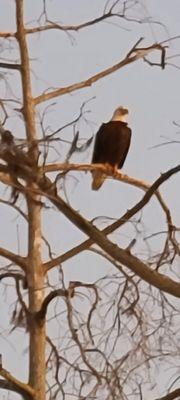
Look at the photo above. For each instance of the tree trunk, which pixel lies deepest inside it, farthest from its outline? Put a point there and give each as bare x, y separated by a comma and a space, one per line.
35, 274
37, 366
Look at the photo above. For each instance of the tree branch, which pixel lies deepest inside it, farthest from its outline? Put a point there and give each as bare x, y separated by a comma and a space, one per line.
129, 214
7, 35
170, 396
55, 293
5, 385
54, 25
10, 66
76, 28
129, 59
12, 274
123, 256
15, 258
116, 175
15, 385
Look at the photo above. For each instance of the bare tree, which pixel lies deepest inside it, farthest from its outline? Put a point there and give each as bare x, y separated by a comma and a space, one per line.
87, 340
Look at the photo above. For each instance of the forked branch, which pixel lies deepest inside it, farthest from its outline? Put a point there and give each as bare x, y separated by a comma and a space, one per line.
126, 217
13, 384
154, 278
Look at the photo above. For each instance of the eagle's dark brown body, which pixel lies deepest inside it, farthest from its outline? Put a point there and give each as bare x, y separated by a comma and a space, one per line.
111, 147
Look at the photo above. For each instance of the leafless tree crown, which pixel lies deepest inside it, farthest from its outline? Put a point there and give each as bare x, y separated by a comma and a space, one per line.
107, 339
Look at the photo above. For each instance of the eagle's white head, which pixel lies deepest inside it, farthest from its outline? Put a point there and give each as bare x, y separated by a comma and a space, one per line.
120, 114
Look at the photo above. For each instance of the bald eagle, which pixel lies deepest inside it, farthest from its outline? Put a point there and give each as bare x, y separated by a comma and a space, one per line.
111, 145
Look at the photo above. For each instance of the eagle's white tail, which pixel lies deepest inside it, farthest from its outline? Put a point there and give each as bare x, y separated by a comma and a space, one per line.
98, 179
